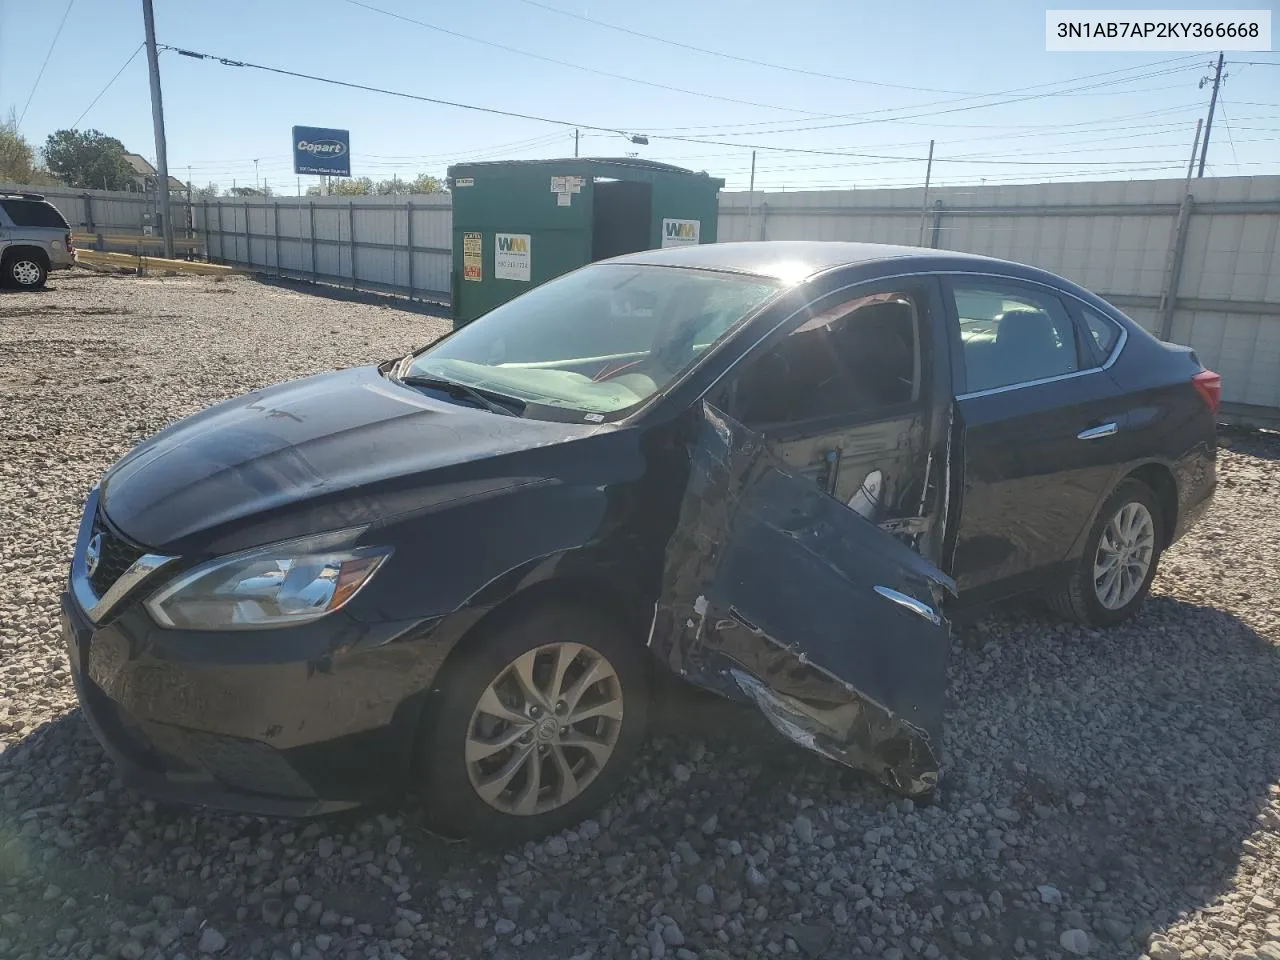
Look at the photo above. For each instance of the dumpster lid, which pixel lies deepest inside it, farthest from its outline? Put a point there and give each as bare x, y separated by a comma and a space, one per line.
595, 166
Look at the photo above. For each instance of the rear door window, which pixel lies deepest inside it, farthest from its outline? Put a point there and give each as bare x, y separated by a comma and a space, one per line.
1012, 335
33, 213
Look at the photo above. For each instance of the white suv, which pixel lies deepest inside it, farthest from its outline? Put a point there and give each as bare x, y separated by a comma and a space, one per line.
34, 239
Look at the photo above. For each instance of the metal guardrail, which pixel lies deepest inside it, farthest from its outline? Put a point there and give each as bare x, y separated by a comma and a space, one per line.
143, 264
137, 243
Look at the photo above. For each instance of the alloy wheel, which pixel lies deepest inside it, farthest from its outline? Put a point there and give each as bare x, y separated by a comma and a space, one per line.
544, 729
1124, 555
26, 272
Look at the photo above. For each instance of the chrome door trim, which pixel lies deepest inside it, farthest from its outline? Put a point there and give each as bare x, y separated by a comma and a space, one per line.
917, 607
1102, 430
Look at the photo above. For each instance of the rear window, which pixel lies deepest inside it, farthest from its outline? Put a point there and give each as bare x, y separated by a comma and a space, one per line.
33, 213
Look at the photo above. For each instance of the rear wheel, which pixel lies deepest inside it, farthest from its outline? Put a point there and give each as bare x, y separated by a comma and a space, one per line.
25, 271
1115, 571
535, 727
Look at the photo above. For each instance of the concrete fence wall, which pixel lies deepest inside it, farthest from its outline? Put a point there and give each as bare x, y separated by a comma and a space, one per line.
391, 244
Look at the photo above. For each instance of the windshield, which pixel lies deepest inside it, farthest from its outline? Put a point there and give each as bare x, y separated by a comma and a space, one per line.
598, 340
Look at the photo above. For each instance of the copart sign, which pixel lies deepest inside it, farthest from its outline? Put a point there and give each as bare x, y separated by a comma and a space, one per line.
321, 150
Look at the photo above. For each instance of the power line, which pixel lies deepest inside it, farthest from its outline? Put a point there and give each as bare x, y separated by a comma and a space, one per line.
48, 53
577, 66
114, 78
868, 118
225, 61
735, 57
874, 115
1226, 124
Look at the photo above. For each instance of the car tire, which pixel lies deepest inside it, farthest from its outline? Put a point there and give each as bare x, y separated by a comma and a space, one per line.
1126, 537
464, 795
24, 271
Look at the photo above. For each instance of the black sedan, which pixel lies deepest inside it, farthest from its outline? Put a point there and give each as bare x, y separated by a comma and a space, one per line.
776, 468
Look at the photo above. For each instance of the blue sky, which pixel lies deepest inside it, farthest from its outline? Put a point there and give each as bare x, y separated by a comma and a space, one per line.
1136, 121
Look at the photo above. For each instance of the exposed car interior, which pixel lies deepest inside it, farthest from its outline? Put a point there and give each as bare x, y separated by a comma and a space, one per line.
853, 360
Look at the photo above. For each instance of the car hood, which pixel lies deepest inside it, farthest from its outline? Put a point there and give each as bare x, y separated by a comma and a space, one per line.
328, 451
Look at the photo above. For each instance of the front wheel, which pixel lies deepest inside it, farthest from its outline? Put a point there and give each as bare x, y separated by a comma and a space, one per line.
535, 727
25, 272
1114, 573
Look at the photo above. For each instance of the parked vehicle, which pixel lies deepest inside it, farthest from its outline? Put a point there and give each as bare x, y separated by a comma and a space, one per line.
34, 239
776, 468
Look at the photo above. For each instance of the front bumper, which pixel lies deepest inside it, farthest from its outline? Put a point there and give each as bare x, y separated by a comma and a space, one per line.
290, 738
298, 721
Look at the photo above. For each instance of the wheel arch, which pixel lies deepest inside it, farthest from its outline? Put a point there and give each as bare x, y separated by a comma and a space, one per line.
533, 586
27, 249
1159, 479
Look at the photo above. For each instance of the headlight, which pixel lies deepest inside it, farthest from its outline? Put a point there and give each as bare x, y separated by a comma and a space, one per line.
273, 586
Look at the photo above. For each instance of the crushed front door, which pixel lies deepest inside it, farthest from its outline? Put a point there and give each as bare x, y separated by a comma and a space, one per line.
776, 593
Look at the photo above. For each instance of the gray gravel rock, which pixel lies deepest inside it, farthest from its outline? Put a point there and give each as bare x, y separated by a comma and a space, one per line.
211, 941
1075, 942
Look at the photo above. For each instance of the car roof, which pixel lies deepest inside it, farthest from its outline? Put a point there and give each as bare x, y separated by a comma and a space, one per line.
798, 259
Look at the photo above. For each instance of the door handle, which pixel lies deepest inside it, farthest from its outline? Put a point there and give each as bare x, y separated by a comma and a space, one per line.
911, 603
1102, 430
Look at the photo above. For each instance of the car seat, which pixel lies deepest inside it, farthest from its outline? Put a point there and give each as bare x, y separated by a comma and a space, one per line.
1027, 347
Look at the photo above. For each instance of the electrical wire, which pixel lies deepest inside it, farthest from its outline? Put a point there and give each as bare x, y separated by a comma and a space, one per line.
578, 66
1000, 93
113, 79
48, 53
1226, 123
226, 61
868, 118
731, 56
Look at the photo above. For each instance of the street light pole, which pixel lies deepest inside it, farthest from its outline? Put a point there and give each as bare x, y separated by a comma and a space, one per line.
157, 119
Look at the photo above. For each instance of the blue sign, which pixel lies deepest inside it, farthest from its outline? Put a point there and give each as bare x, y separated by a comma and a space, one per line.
321, 150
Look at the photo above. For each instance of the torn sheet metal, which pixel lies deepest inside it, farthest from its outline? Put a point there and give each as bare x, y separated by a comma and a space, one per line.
776, 593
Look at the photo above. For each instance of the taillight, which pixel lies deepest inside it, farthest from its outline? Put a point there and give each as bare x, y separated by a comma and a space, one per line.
1209, 385
70, 248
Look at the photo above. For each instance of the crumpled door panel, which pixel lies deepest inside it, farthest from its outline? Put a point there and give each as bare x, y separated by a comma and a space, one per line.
776, 593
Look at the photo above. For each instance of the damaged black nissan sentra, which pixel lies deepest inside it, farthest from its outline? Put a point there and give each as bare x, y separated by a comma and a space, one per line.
776, 468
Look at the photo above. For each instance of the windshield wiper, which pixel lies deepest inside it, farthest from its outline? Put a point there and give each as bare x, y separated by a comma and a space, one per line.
456, 389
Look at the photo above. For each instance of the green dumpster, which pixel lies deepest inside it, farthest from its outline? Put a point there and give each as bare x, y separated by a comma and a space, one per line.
520, 223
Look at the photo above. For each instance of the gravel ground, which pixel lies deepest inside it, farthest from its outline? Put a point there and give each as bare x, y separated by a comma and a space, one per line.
1106, 793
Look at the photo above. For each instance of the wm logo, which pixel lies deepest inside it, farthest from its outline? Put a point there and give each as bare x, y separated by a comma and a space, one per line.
513, 245
680, 231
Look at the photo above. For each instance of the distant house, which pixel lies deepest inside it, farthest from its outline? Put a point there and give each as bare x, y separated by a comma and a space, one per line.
144, 175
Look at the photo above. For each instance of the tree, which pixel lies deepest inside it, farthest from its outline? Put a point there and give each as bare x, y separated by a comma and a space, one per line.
425, 183
364, 186
88, 159
206, 193
344, 187
393, 187
17, 158
248, 191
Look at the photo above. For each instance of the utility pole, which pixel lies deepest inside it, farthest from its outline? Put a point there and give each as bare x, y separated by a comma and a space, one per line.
575, 142
1195, 145
256, 182
751, 199
157, 120
924, 204
1218, 77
